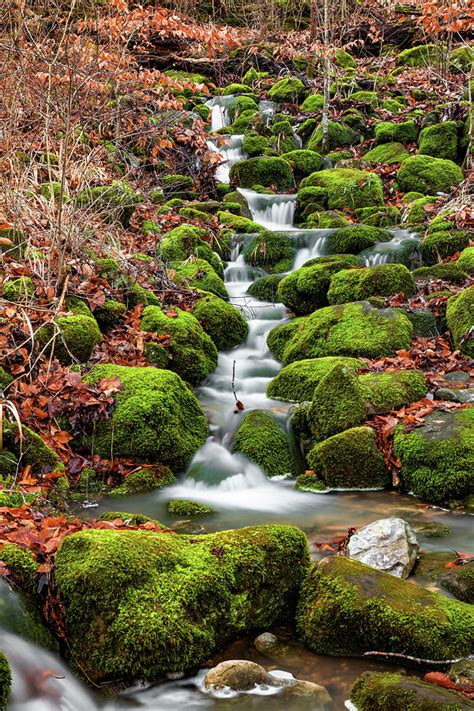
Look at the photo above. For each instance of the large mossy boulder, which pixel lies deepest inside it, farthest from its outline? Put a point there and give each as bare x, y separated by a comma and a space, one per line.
303, 162
222, 321
193, 354
357, 330
460, 320
347, 608
70, 338
465, 260
238, 224
266, 288
356, 238
199, 274
287, 90
116, 201
420, 56
440, 140
157, 418
387, 132
350, 460
145, 479
164, 602
5, 681
184, 241
272, 251
268, 171
262, 438
387, 153
428, 175
347, 187
380, 691
381, 280
437, 458
338, 135
296, 382
440, 244
306, 289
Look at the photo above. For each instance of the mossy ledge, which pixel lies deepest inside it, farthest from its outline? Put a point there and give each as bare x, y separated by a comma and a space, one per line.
139, 604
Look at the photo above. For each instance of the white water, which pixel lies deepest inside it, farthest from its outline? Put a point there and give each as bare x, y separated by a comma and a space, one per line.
230, 151
274, 212
389, 252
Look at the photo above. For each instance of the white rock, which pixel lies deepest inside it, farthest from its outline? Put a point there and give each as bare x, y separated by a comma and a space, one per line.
388, 544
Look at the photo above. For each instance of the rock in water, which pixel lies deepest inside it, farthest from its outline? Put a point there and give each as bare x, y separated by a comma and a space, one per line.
269, 645
239, 675
388, 544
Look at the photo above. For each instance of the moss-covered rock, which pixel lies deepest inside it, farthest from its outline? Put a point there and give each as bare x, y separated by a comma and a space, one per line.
338, 135
437, 459
156, 418
145, 479
32, 451
165, 602
353, 239
178, 187
183, 507
263, 439
304, 162
287, 90
306, 289
383, 392
5, 681
268, 171
379, 691
296, 382
116, 201
222, 321
460, 582
347, 187
236, 223
266, 288
350, 460
460, 320
21, 289
359, 284
254, 145
466, 260
22, 566
443, 243
344, 59
272, 251
240, 104
387, 153
347, 608
461, 59
109, 313
312, 103
309, 482
327, 220
357, 330
337, 404
386, 216
193, 353
199, 274
387, 132
185, 241
440, 140
428, 175
449, 271
70, 338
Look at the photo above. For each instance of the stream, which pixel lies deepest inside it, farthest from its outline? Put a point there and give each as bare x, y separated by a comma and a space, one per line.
239, 492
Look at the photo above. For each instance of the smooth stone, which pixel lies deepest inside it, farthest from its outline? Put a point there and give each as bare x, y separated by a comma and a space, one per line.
388, 544
463, 395
431, 529
456, 376
319, 695
269, 645
239, 675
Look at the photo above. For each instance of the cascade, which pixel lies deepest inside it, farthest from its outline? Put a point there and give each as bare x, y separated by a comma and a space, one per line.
275, 212
230, 150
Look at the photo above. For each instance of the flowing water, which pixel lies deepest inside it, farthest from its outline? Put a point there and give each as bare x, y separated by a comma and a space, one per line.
239, 492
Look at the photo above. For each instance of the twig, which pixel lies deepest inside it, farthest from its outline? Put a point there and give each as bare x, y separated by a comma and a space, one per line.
416, 661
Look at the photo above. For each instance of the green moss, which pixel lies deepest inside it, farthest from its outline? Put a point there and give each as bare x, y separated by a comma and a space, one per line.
183, 507
109, 313
383, 392
326, 220
262, 439
460, 582
72, 338
266, 288
116, 201
392, 105
439, 245
357, 330
460, 320
350, 460
199, 274
129, 519
365, 97
166, 603
185, 241
359, 284
466, 260
236, 88
8, 465
379, 216
252, 77
440, 140
157, 418
304, 162
379, 691
355, 238
221, 321
107, 267
387, 132
344, 59
17, 239
254, 145
348, 608
387, 153
420, 56
338, 135
337, 403
461, 59
312, 103
143, 480
447, 272
428, 175
21, 289
267, 171
192, 352
348, 187
273, 251
438, 457
306, 289
287, 90
424, 323
239, 224
5, 681
419, 210
136, 294
32, 450
309, 482
296, 382
22, 565
240, 104
5, 378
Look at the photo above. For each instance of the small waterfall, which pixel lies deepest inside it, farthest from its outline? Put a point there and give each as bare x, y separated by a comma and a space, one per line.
402, 248
219, 106
267, 109
275, 212
230, 150
312, 244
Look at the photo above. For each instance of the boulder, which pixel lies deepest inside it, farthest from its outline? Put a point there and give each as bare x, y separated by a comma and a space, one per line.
262, 438
296, 382
239, 675
388, 544
428, 175
460, 320
460, 582
381, 280
347, 187
266, 171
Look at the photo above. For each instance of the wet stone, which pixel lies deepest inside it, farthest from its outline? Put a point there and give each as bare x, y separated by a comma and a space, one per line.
388, 544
